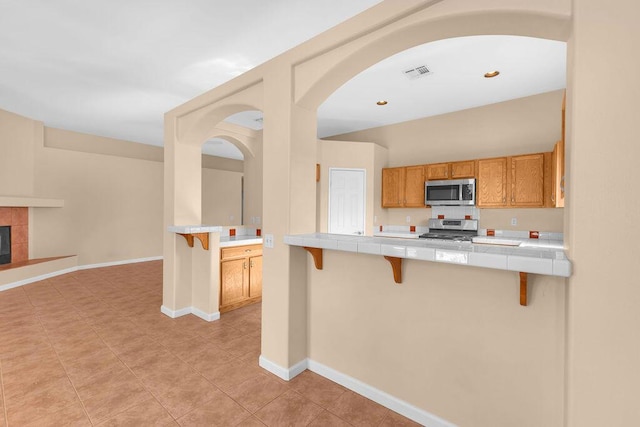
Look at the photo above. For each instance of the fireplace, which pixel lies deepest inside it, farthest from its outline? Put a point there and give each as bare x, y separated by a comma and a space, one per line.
5, 244
14, 234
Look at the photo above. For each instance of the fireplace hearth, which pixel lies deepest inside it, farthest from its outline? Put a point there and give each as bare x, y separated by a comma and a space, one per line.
5, 244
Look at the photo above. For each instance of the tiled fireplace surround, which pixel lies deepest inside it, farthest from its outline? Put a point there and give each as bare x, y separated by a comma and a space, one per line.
18, 219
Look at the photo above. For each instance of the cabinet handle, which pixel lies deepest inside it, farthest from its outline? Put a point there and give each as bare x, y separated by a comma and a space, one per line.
247, 250
251, 263
504, 200
244, 264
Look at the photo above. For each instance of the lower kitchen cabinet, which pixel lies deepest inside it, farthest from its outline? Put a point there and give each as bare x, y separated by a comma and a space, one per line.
240, 276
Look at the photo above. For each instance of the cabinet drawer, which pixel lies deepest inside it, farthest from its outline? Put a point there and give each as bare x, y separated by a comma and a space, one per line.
240, 251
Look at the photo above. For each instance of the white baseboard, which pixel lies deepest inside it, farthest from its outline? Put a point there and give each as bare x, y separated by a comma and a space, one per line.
122, 262
209, 317
72, 269
175, 313
385, 399
37, 278
279, 371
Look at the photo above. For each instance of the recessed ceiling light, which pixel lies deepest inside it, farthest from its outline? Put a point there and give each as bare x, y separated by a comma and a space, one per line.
382, 103
491, 74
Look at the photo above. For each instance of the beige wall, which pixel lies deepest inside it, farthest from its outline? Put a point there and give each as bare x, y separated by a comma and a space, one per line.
451, 340
17, 154
520, 126
604, 319
221, 197
112, 191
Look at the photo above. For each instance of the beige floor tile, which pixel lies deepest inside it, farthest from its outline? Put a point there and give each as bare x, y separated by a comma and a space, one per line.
316, 388
256, 392
231, 374
251, 422
149, 413
92, 347
111, 393
327, 419
358, 410
220, 411
182, 395
72, 415
45, 400
290, 409
396, 420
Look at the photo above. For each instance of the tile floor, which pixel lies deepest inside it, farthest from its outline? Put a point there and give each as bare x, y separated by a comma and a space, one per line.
92, 348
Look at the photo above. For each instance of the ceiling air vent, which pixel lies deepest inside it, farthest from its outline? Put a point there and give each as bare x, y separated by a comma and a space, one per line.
416, 72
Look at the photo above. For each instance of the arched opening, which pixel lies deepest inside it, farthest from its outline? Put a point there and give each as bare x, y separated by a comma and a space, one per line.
232, 169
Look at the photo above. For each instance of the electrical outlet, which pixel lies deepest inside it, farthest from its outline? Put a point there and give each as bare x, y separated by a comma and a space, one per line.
408, 219
268, 240
231, 217
257, 220
514, 221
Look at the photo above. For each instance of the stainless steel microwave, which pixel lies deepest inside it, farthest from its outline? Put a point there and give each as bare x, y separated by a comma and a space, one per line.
453, 192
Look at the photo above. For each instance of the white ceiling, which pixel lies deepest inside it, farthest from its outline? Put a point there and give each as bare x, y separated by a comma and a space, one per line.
455, 81
114, 68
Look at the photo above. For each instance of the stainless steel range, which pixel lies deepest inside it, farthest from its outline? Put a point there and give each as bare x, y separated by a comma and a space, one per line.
457, 230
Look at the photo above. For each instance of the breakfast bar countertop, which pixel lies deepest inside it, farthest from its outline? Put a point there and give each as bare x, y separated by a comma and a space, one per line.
525, 258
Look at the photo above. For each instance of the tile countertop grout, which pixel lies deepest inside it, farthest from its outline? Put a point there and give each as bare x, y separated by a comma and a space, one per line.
529, 259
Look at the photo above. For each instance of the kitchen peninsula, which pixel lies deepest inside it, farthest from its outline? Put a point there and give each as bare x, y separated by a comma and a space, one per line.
525, 258
227, 262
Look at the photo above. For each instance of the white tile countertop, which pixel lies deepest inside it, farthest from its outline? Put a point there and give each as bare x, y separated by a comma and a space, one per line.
226, 242
243, 235
539, 257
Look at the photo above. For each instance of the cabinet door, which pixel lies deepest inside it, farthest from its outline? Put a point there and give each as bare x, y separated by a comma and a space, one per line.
527, 180
392, 187
491, 183
437, 171
414, 186
255, 276
463, 169
233, 281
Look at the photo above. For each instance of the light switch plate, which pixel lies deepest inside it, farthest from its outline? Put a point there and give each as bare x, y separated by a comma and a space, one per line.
268, 240
514, 221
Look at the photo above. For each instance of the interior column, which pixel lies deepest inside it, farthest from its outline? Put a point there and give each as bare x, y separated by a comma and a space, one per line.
289, 199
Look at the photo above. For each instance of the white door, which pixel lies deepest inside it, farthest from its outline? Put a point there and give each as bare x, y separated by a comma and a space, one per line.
346, 201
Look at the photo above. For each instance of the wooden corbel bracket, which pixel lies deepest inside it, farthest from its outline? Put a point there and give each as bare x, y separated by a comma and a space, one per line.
203, 237
316, 253
396, 265
523, 289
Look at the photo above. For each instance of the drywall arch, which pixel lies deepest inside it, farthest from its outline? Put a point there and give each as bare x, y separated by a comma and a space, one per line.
193, 127
319, 77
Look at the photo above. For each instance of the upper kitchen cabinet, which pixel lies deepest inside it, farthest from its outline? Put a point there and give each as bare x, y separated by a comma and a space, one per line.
491, 183
557, 186
466, 169
437, 171
455, 170
527, 181
393, 187
515, 182
557, 175
403, 187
